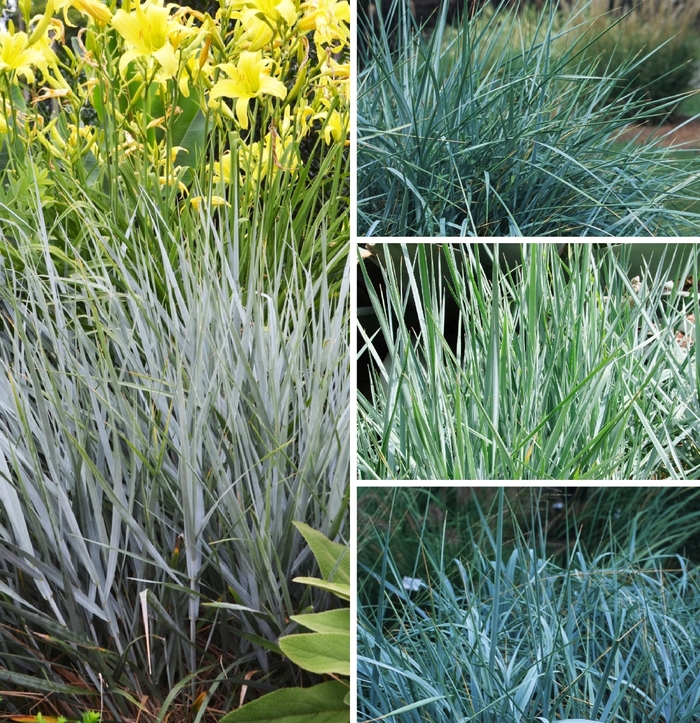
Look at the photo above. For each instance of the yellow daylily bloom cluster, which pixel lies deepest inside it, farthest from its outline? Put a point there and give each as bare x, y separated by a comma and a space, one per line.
250, 78
146, 32
19, 58
151, 80
329, 21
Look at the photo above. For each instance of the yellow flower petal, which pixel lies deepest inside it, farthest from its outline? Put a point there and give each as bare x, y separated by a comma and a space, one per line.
287, 9
242, 112
166, 57
271, 86
225, 89
126, 58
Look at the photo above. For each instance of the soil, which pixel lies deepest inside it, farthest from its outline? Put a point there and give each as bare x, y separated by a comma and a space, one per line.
680, 133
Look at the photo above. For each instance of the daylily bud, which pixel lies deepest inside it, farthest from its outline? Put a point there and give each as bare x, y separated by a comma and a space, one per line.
44, 23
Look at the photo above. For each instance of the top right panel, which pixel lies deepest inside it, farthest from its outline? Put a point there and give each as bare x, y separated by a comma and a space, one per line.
528, 119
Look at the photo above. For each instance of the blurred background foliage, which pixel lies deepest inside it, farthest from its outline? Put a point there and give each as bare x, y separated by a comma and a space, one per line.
657, 518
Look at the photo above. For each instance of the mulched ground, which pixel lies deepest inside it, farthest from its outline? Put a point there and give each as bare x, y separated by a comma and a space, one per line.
681, 133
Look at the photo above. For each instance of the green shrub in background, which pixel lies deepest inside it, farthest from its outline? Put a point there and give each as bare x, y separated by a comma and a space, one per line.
507, 127
665, 35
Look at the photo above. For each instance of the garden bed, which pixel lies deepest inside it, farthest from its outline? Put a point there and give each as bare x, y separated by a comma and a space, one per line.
680, 133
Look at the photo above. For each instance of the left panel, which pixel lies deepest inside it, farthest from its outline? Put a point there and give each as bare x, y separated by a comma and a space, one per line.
174, 360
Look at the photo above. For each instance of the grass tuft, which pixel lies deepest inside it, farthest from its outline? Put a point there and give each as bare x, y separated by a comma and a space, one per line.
557, 369
507, 126
516, 637
172, 401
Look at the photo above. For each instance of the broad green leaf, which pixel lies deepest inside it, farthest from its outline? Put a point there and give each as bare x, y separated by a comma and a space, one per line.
323, 703
330, 621
192, 141
319, 652
186, 130
333, 558
342, 591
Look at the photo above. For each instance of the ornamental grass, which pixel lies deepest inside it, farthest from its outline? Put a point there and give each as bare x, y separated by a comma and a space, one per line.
174, 350
508, 632
508, 123
559, 368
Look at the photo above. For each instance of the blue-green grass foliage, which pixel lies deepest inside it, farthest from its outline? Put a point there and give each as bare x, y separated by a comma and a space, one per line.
508, 636
506, 128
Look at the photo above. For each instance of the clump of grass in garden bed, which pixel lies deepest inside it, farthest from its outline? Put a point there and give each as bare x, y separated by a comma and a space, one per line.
172, 401
507, 636
496, 130
174, 370
561, 369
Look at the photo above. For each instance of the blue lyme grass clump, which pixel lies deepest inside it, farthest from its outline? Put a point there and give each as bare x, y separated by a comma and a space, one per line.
172, 402
511, 128
512, 637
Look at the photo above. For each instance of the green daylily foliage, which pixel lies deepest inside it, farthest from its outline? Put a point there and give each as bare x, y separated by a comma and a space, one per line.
325, 651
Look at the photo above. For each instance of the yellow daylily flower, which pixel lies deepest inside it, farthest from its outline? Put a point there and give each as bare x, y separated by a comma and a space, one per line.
285, 10
257, 33
213, 202
16, 55
100, 13
329, 20
260, 19
249, 79
146, 30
